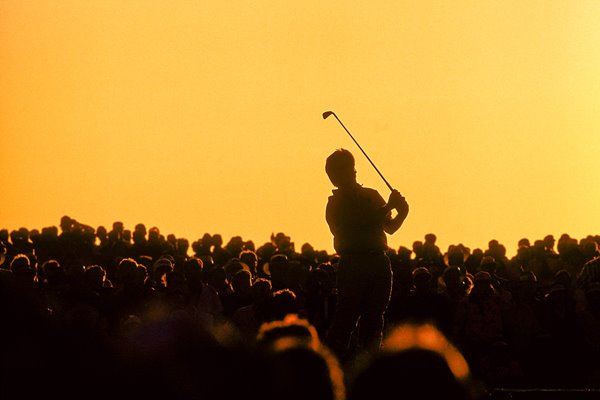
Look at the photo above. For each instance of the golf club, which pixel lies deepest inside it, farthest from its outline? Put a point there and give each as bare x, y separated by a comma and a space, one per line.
327, 114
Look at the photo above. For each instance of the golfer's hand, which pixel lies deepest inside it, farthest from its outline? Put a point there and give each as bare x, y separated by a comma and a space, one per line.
398, 202
395, 199
403, 208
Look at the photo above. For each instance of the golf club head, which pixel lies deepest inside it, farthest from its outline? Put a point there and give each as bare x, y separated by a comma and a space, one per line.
327, 114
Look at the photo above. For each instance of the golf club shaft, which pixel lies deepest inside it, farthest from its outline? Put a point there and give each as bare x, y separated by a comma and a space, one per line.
327, 114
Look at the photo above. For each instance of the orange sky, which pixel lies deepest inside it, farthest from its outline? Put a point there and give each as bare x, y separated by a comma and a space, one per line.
198, 117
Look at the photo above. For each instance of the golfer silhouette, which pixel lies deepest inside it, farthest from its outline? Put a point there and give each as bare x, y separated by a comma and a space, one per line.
359, 219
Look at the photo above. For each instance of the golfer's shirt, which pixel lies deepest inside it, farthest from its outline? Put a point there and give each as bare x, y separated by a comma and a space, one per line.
356, 219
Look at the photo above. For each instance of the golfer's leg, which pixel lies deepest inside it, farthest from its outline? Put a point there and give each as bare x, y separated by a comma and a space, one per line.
347, 307
375, 302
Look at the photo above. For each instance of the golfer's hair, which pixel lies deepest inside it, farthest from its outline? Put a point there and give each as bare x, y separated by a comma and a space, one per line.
339, 164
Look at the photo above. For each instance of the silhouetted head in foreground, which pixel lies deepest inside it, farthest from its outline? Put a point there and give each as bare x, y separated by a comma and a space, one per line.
340, 168
296, 363
416, 361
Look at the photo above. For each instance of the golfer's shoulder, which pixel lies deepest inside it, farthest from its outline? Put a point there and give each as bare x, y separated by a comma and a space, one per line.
371, 193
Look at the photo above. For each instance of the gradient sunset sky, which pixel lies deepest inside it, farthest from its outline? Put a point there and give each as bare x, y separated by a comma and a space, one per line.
197, 116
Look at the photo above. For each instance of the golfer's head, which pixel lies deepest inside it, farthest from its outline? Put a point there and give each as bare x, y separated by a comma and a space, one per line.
340, 168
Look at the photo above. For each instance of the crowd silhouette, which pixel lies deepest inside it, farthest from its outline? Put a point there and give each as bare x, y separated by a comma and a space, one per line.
96, 312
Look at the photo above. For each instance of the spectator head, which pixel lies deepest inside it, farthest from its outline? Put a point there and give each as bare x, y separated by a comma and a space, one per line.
15, 236
50, 231
488, 264
161, 267
404, 254
207, 262
206, 240
217, 240
127, 272
456, 256
66, 223
175, 281
421, 278
493, 244
4, 235
287, 331
482, 286
34, 235
539, 248
21, 265
298, 366
264, 253
94, 277
172, 239
154, 234
454, 279
182, 246
138, 237
242, 282
307, 250
589, 248
249, 245
117, 226
192, 269
140, 228
282, 242
340, 168
417, 248
101, 233
278, 266
416, 361
526, 286
523, 243
549, 242
217, 278
482, 278
430, 238
283, 303
146, 261
235, 245
261, 290
231, 267
250, 259
53, 271
563, 277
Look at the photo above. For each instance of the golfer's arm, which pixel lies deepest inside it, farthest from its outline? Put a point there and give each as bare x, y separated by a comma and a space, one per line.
391, 225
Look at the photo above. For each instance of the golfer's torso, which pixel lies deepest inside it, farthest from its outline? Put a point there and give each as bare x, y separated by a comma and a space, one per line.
356, 219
